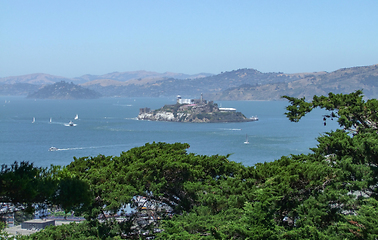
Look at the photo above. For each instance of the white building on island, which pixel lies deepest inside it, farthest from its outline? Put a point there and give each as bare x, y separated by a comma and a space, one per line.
184, 101
227, 109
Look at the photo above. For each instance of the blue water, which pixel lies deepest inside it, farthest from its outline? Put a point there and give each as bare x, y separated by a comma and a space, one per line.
108, 126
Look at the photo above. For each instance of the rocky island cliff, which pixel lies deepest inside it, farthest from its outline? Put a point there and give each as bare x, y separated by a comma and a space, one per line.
193, 110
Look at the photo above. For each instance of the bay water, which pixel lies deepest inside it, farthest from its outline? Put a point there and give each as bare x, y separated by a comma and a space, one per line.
109, 126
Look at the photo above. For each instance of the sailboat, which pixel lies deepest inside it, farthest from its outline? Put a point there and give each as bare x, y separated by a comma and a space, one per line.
33, 120
50, 120
76, 117
246, 139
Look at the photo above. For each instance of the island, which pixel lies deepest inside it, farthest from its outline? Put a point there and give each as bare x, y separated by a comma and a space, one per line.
64, 90
193, 110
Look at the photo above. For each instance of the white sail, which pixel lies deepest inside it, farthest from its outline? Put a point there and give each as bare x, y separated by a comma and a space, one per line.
246, 139
33, 120
76, 117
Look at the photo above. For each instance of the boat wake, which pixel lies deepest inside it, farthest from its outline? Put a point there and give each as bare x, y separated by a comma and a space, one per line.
81, 148
70, 124
123, 105
67, 149
231, 129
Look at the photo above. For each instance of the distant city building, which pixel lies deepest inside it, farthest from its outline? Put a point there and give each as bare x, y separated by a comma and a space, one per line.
227, 109
37, 224
184, 101
190, 101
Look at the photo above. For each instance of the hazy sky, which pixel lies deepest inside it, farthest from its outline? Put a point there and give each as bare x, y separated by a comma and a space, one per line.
72, 38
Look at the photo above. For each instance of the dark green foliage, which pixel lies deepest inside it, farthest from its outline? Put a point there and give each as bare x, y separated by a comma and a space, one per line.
164, 174
297, 109
171, 108
352, 112
25, 187
84, 230
352, 153
72, 194
20, 217
24, 184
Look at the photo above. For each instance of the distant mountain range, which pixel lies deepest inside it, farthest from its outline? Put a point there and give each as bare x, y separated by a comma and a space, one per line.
42, 78
241, 84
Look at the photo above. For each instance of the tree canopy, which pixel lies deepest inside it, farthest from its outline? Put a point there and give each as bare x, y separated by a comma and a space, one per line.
28, 188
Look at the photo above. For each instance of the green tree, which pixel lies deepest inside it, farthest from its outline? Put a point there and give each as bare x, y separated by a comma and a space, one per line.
352, 152
353, 148
171, 180
26, 187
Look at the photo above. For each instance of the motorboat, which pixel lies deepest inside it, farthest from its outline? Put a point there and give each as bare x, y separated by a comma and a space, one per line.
254, 118
53, 149
70, 124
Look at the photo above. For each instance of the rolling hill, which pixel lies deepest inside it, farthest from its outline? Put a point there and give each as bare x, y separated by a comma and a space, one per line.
344, 80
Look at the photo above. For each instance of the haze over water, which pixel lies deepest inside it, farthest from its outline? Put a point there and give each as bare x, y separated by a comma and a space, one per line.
108, 126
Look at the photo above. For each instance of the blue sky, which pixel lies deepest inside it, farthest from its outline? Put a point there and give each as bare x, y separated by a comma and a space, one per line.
72, 38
